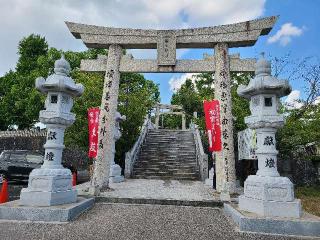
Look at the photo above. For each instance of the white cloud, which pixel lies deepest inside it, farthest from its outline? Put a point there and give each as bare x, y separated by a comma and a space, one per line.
317, 101
20, 18
176, 82
292, 100
285, 34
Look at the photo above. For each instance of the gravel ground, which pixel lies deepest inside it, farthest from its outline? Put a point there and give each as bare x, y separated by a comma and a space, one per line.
124, 221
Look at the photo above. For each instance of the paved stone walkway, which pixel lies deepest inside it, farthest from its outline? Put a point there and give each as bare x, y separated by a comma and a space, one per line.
125, 221
160, 189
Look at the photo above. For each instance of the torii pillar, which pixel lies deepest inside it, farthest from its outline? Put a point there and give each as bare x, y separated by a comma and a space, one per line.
225, 163
108, 109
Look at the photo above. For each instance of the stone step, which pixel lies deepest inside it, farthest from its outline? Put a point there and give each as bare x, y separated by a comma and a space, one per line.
146, 147
190, 170
162, 172
149, 171
173, 134
159, 158
190, 203
155, 153
166, 161
169, 145
166, 167
167, 154
166, 158
170, 134
165, 144
173, 143
157, 138
166, 174
166, 177
163, 131
173, 168
176, 166
168, 150
174, 137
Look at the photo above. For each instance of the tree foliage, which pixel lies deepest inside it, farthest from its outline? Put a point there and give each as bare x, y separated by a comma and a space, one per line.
192, 94
302, 118
20, 102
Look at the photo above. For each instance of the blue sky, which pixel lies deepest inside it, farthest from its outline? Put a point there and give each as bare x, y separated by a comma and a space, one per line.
303, 14
296, 32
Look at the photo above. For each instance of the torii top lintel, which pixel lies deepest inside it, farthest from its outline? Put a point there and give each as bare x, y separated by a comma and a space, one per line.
235, 35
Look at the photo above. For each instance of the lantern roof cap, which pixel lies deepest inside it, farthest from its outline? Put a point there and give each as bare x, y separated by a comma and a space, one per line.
62, 66
263, 82
60, 81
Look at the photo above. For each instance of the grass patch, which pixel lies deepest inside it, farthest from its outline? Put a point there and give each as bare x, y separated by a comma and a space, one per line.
310, 198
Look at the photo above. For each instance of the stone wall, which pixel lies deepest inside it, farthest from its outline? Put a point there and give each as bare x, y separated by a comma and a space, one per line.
34, 141
22, 140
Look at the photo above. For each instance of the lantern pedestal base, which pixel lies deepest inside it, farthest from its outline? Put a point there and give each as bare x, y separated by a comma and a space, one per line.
270, 196
271, 208
307, 225
62, 213
48, 187
45, 199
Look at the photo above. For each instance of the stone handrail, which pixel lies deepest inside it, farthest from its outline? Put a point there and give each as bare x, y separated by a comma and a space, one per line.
131, 156
202, 158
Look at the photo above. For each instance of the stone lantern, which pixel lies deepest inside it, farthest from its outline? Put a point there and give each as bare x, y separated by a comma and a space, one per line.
267, 193
52, 183
115, 169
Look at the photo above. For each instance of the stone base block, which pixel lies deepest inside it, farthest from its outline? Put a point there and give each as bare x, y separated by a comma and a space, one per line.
209, 182
44, 199
115, 174
115, 170
62, 213
271, 208
307, 225
116, 179
225, 197
269, 188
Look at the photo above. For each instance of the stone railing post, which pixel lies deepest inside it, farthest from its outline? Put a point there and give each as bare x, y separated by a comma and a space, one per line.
157, 117
202, 158
131, 156
183, 116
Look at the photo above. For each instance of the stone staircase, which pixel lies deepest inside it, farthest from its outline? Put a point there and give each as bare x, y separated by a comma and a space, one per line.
168, 155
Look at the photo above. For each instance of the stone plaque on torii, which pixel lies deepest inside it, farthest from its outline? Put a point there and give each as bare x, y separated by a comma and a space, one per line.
219, 38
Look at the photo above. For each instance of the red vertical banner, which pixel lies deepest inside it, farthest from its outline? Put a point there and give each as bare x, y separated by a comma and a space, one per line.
212, 117
93, 125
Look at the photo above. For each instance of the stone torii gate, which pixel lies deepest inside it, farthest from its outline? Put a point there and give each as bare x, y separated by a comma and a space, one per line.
159, 106
221, 38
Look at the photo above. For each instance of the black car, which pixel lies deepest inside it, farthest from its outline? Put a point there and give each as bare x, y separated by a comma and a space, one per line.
17, 164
